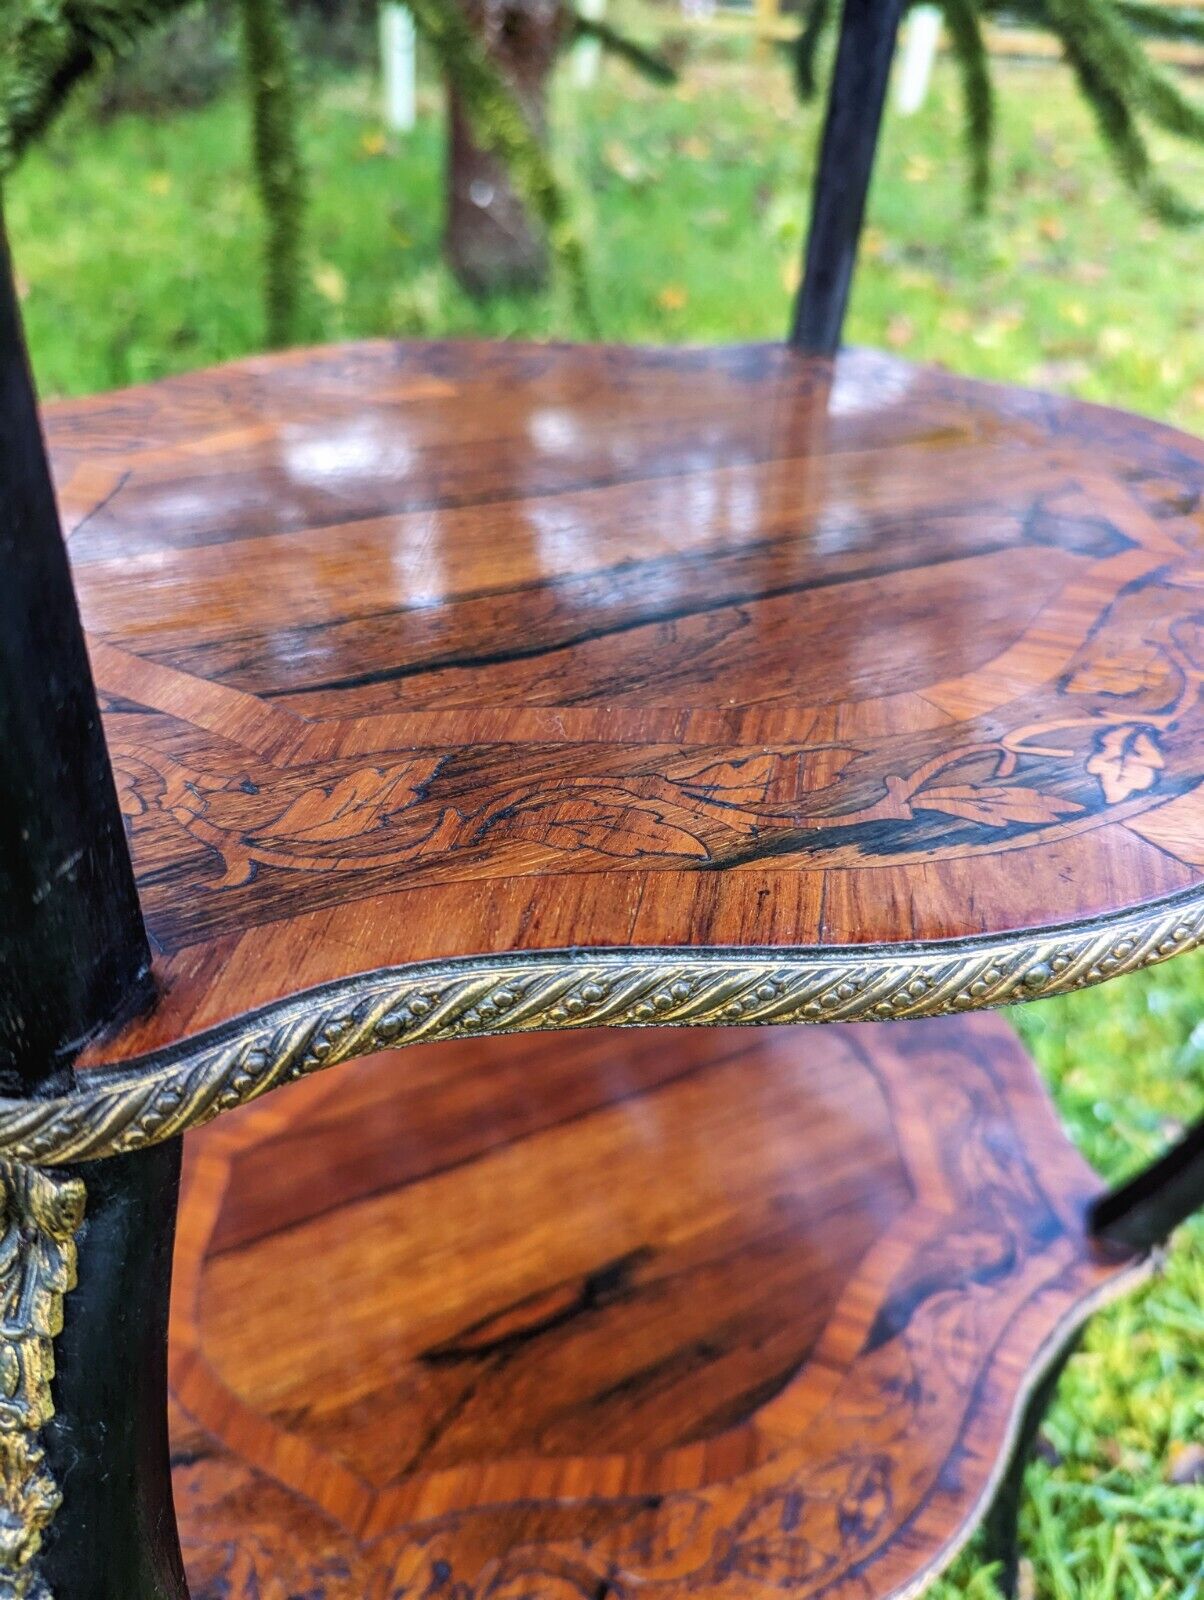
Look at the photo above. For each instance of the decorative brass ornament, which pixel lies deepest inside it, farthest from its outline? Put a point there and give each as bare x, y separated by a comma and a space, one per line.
40, 1214
126, 1108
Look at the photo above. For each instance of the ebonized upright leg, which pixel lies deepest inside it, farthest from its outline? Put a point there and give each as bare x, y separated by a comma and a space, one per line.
868, 31
1001, 1528
85, 1496
114, 1535
1143, 1212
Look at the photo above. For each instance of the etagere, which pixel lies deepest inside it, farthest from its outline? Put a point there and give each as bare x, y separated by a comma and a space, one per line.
445, 694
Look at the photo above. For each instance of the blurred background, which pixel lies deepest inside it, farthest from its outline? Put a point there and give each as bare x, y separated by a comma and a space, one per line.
190, 183
136, 220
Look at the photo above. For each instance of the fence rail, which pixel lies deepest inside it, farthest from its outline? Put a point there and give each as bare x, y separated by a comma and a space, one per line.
766, 22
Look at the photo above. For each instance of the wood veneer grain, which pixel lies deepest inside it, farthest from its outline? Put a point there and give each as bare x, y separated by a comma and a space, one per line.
411, 652
713, 1313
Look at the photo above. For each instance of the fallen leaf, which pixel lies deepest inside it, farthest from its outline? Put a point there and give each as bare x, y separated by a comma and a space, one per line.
1186, 1464
991, 334
330, 283
1115, 341
1126, 761
622, 163
916, 278
955, 320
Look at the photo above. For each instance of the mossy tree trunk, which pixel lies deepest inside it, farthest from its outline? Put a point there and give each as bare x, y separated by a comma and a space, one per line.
492, 241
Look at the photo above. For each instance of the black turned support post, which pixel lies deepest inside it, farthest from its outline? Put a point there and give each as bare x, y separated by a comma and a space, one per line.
1143, 1212
115, 1536
868, 31
73, 952
1001, 1527
85, 1485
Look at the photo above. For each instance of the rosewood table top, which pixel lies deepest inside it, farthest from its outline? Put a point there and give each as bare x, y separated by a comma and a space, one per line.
773, 1336
419, 652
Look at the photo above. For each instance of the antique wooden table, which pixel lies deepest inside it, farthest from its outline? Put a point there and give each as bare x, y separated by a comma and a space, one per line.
456, 693
558, 688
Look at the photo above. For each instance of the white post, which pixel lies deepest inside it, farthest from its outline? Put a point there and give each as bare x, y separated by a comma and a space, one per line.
919, 51
398, 67
587, 53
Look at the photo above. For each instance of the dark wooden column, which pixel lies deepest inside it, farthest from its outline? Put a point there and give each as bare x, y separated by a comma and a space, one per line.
74, 955
868, 31
73, 952
114, 1537
1143, 1212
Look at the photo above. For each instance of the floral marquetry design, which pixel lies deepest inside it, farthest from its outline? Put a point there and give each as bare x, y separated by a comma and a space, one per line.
687, 652
724, 1369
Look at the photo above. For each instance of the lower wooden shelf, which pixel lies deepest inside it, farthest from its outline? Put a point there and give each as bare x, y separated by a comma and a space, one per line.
718, 1313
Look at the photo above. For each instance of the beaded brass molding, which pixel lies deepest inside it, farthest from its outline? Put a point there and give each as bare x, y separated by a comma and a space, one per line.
113, 1110
40, 1214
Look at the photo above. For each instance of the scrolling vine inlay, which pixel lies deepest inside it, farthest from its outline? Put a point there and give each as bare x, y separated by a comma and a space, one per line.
410, 654
772, 1338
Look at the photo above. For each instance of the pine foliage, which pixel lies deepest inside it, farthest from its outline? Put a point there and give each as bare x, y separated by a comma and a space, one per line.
648, 63
1103, 42
970, 50
1123, 86
806, 50
271, 83
48, 46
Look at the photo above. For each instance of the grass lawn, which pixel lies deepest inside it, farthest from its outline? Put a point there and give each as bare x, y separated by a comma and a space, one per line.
137, 249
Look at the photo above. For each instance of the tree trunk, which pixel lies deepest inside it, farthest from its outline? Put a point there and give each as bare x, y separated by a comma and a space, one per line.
492, 241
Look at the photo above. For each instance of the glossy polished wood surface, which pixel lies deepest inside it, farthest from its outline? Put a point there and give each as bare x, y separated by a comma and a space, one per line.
411, 652
715, 1313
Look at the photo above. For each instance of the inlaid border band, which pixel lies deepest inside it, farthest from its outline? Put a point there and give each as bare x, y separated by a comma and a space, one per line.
117, 1109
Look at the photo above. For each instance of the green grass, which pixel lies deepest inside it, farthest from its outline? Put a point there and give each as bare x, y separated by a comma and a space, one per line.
138, 242
137, 246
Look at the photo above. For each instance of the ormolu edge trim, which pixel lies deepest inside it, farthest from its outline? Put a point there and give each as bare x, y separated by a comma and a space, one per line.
125, 1108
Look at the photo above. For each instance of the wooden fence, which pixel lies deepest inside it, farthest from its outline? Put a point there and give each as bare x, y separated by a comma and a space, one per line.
768, 23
